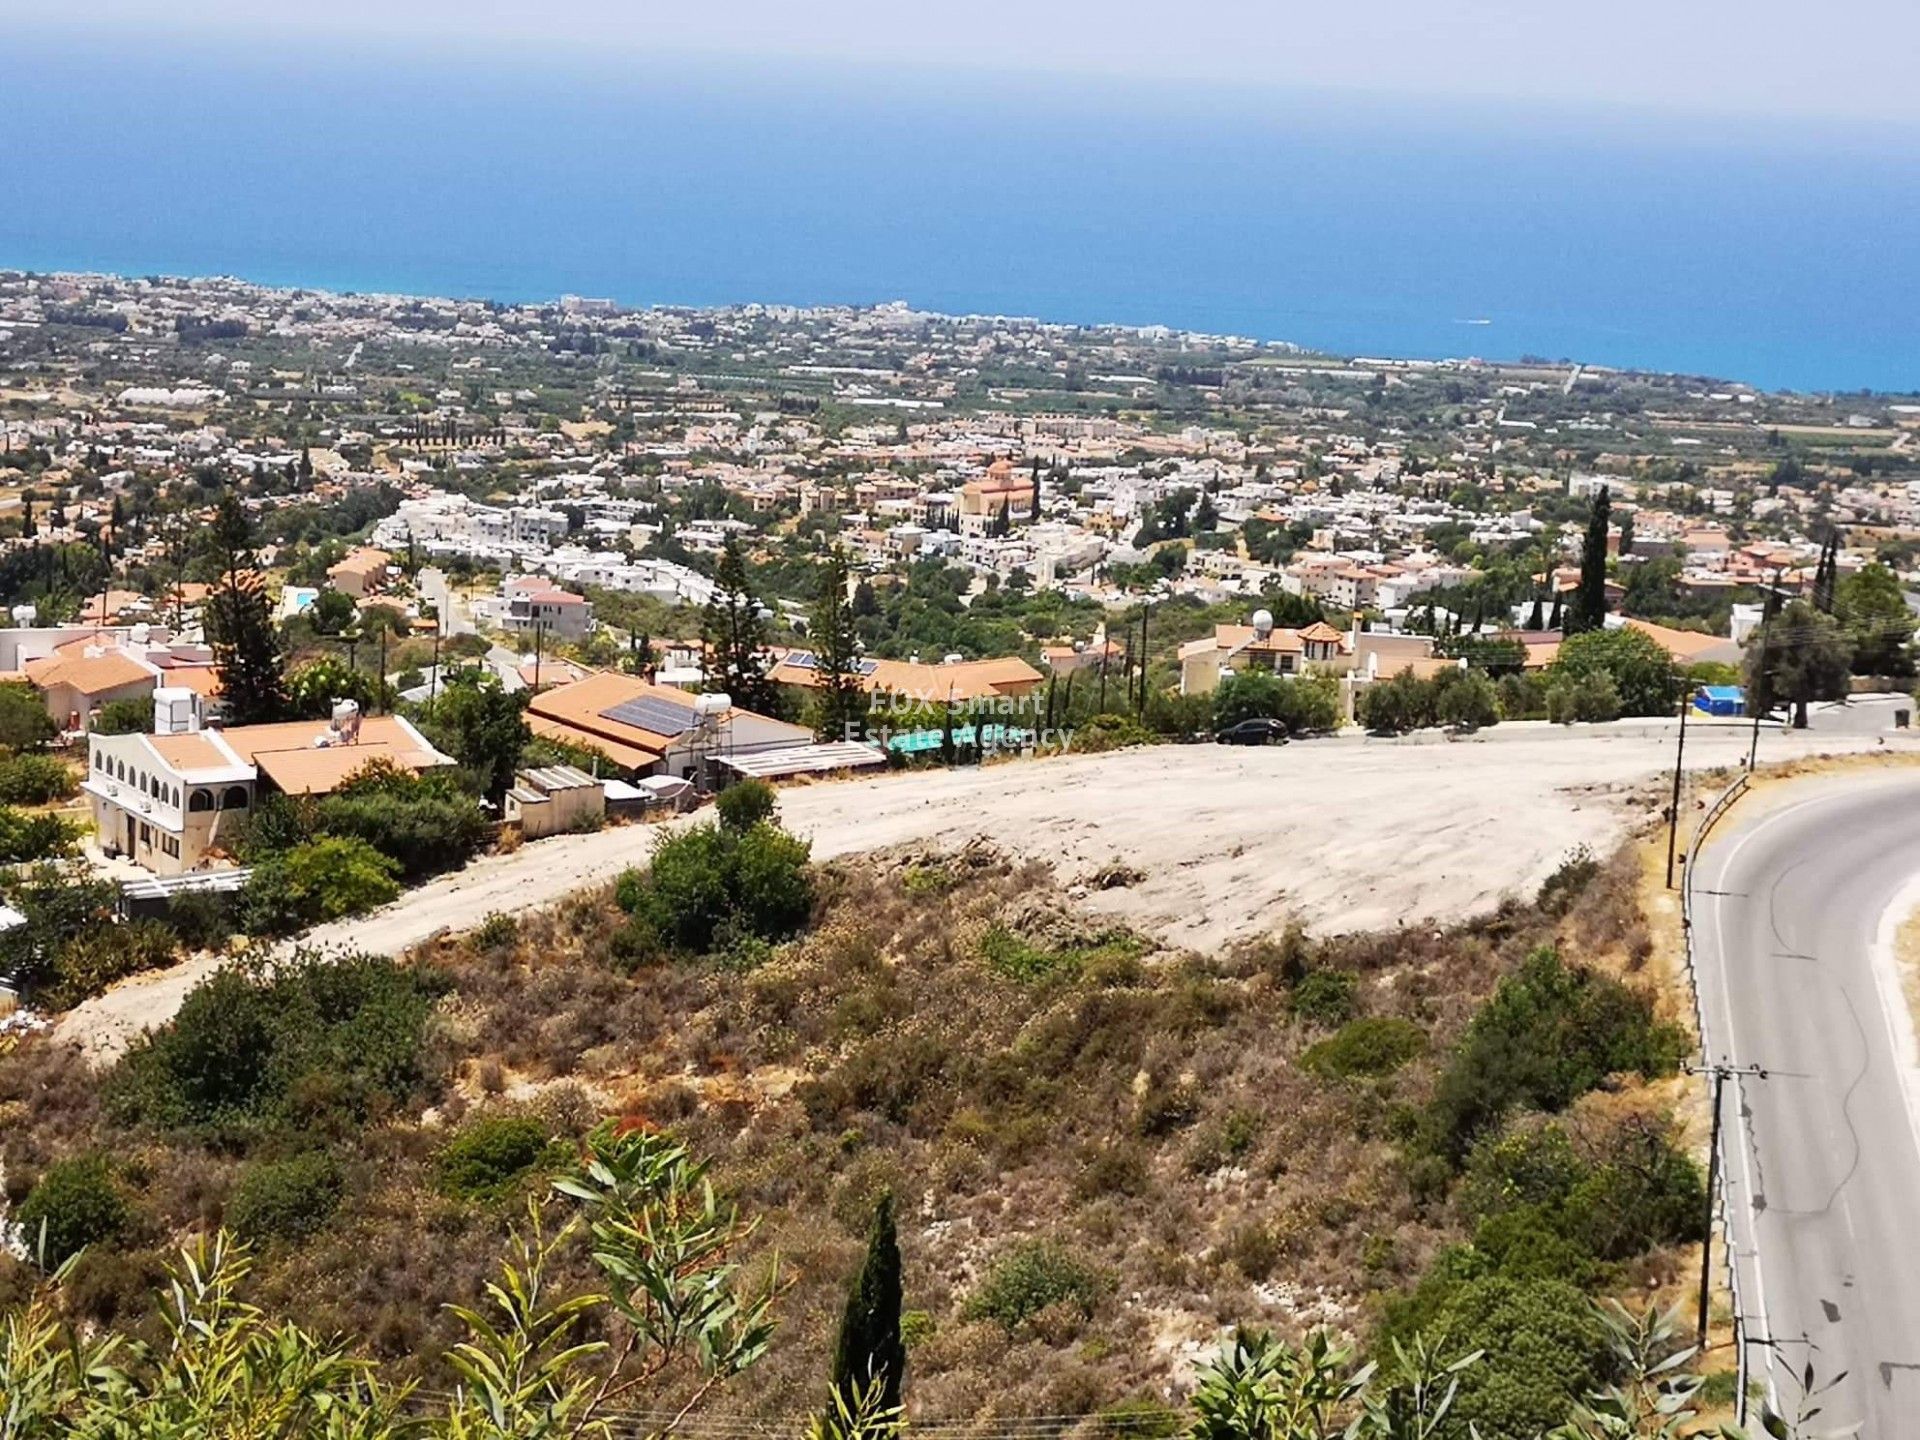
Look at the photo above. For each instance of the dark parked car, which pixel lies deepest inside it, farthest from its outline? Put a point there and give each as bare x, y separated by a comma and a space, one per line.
1257, 731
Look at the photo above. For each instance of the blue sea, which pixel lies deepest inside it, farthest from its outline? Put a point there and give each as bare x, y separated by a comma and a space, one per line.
1780, 255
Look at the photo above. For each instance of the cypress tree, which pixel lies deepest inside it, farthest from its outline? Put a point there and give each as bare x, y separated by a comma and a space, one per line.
246, 648
868, 1348
1590, 600
840, 712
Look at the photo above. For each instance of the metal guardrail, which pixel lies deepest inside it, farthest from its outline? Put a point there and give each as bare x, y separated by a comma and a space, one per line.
1724, 1219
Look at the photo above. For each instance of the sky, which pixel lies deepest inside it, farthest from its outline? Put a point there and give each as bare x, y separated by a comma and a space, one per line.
1845, 62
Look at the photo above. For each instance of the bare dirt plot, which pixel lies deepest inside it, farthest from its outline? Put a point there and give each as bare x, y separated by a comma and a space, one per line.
1340, 835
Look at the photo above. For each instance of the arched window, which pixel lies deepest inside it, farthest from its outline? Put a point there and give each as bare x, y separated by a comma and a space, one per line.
235, 798
202, 800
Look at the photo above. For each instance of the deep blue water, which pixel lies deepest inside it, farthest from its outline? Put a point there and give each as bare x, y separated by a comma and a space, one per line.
1778, 257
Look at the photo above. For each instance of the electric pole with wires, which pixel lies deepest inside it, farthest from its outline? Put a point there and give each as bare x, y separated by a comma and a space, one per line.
1759, 693
1718, 1074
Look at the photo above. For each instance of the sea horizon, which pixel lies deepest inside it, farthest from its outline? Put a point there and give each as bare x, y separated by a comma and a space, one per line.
1421, 231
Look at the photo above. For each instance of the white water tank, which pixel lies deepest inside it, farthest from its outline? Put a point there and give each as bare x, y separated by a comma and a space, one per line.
346, 719
708, 708
1262, 623
177, 710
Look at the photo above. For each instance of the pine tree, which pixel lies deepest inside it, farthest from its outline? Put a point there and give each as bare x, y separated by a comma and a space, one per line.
868, 1349
27, 530
1590, 600
1035, 513
246, 648
839, 706
736, 638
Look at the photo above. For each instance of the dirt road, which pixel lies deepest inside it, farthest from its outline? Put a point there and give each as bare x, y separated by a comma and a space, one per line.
1346, 834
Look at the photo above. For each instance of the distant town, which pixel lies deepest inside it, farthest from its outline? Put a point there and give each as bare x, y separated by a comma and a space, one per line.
612, 452
1211, 828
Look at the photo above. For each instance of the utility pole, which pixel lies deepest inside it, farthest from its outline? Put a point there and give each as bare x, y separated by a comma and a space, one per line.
1141, 707
1718, 1074
380, 686
433, 685
1762, 670
1679, 754
539, 633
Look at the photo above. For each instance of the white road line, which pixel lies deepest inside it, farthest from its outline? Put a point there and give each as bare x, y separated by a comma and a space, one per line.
1885, 961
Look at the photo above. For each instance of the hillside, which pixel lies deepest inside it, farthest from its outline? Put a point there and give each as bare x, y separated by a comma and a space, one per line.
1267, 1135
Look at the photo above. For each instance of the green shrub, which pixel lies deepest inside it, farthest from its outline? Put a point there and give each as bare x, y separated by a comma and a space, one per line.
61, 903
1007, 954
496, 931
24, 722
25, 837
79, 1202
1305, 705
1627, 662
1465, 700
425, 823
317, 881
744, 805
1373, 1046
276, 823
493, 1153
1544, 1348
1521, 696
307, 1040
203, 919
35, 780
1030, 1277
122, 717
1323, 997
286, 1199
1547, 1036
711, 886
1560, 889
1110, 732
1396, 705
1590, 699
91, 961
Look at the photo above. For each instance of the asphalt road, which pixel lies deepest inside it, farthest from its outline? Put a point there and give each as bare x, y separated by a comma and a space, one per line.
1795, 906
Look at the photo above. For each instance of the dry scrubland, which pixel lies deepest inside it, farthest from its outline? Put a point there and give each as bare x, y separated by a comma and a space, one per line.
953, 1028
